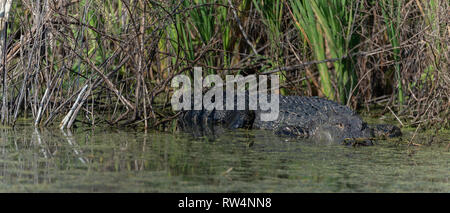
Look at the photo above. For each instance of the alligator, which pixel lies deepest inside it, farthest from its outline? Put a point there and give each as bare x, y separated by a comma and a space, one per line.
302, 117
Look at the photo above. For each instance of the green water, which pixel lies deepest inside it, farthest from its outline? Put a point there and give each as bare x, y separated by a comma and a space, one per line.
111, 160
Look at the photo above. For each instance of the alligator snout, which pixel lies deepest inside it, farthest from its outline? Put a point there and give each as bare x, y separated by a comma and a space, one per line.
344, 134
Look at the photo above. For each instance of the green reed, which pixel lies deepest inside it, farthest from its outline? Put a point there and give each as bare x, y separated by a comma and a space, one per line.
391, 11
272, 12
328, 29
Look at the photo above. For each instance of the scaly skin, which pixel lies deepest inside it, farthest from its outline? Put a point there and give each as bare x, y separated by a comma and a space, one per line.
312, 117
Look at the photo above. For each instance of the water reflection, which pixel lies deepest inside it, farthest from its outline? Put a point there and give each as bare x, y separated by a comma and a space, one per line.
71, 141
38, 142
111, 160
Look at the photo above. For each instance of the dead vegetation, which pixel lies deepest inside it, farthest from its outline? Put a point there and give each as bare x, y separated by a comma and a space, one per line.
111, 62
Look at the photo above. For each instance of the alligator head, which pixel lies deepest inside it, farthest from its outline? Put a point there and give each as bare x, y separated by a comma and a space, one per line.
344, 129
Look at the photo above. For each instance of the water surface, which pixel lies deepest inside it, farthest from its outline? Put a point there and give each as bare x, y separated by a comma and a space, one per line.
111, 160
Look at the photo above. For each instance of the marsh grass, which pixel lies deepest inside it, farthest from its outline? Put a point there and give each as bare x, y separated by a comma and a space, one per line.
388, 53
328, 26
391, 11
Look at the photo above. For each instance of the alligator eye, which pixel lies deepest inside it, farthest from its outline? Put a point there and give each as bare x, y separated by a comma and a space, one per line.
341, 126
